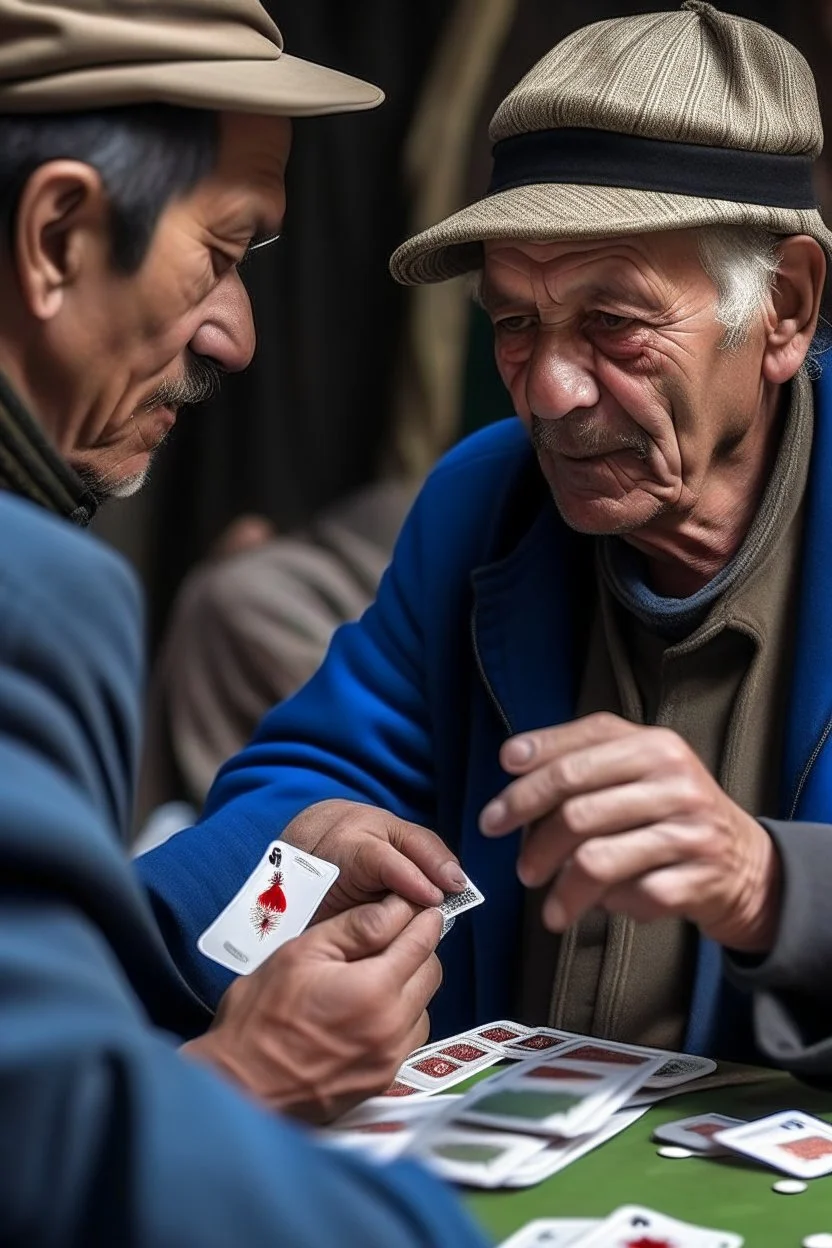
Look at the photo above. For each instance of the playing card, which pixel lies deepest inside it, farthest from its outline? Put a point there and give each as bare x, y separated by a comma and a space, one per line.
697, 1133
635, 1227
561, 1151
678, 1068
502, 1032
384, 1128
477, 1158
457, 903
551, 1233
554, 1096
791, 1141
536, 1041
440, 1066
447, 924
274, 905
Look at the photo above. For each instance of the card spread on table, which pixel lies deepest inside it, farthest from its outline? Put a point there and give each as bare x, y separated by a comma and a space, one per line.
275, 904
791, 1141
561, 1151
697, 1133
557, 1095
551, 1233
676, 1069
457, 903
635, 1227
477, 1158
440, 1066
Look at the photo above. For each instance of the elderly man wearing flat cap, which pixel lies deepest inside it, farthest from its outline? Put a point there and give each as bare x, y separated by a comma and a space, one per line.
600, 665
142, 154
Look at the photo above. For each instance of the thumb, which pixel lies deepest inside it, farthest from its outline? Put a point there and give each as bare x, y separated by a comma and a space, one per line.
365, 930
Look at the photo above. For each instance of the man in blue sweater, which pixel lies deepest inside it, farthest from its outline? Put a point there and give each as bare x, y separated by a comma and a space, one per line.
142, 152
607, 621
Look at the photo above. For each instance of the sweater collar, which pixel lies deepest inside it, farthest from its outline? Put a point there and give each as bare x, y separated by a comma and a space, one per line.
31, 467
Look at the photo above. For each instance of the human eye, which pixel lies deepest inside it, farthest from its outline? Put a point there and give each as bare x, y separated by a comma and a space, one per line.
612, 320
515, 324
222, 262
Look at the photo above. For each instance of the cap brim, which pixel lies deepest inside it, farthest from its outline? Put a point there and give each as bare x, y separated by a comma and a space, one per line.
555, 212
285, 86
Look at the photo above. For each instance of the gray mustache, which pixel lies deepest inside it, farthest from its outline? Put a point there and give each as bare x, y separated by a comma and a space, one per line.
581, 435
201, 381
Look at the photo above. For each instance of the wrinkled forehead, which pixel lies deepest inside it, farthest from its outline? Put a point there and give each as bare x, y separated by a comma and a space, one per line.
638, 260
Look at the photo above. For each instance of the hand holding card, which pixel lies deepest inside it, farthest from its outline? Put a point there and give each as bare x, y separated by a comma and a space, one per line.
328, 1018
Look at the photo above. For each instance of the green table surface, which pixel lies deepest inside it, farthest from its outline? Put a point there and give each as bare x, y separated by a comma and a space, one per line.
731, 1194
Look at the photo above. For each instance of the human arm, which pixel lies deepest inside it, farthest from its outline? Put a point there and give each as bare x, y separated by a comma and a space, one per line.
792, 983
359, 736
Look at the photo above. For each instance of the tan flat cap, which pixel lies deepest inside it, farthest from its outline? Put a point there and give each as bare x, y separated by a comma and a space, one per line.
57, 55
658, 121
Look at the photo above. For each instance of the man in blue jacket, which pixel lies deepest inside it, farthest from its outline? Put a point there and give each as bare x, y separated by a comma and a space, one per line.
606, 621
142, 150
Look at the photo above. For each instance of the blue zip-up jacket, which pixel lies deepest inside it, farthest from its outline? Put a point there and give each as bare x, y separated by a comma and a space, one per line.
477, 632
108, 1137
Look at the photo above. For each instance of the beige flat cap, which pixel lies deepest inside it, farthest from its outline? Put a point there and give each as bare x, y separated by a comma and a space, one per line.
658, 121
59, 55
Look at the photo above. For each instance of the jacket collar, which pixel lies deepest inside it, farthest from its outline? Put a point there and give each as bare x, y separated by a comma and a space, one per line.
31, 467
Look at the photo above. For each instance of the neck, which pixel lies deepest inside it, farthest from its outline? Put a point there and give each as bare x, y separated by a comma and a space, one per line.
685, 554
32, 468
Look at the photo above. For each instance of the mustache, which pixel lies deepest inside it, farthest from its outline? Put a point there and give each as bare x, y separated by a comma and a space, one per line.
201, 381
583, 436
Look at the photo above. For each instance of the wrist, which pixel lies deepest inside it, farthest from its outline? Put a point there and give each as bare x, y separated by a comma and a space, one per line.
761, 901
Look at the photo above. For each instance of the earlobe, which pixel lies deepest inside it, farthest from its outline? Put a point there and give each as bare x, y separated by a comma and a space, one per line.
63, 205
797, 297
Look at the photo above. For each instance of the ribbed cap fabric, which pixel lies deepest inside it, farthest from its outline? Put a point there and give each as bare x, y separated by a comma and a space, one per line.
694, 76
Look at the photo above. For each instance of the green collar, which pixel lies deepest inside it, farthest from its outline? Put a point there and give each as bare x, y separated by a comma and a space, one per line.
32, 468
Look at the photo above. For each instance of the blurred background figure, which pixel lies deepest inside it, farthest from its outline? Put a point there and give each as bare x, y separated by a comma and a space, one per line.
280, 502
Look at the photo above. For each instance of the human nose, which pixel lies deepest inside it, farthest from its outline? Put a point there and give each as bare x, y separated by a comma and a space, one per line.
226, 330
559, 380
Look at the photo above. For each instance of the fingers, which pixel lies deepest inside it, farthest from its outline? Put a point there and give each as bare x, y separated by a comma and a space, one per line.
621, 759
430, 854
381, 867
412, 947
416, 995
602, 866
366, 931
622, 808
522, 753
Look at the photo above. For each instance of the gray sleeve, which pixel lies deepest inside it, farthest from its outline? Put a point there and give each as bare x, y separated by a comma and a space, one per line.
793, 983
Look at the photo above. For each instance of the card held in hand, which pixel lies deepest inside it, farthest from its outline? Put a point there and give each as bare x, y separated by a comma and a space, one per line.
276, 903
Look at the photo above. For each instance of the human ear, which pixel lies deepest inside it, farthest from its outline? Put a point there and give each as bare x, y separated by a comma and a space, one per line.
796, 298
63, 207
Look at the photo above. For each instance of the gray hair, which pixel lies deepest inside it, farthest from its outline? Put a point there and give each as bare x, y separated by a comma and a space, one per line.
742, 262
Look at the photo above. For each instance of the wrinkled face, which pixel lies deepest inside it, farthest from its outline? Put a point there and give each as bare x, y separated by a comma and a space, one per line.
611, 353
126, 352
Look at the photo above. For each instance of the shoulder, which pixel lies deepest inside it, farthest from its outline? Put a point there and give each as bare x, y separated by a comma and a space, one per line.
44, 558
488, 454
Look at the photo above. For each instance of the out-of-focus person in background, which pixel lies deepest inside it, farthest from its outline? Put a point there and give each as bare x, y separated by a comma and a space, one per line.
249, 627
654, 273
142, 155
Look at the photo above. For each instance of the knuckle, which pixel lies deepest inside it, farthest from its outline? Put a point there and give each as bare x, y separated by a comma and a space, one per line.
368, 924
576, 815
671, 748
594, 861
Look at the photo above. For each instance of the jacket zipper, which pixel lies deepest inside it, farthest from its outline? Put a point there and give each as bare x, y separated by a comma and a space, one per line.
804, 775
495, 701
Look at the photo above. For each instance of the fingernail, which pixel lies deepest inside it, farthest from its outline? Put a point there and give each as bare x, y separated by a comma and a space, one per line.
454, 876
492, 816
518, 750
554, 916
